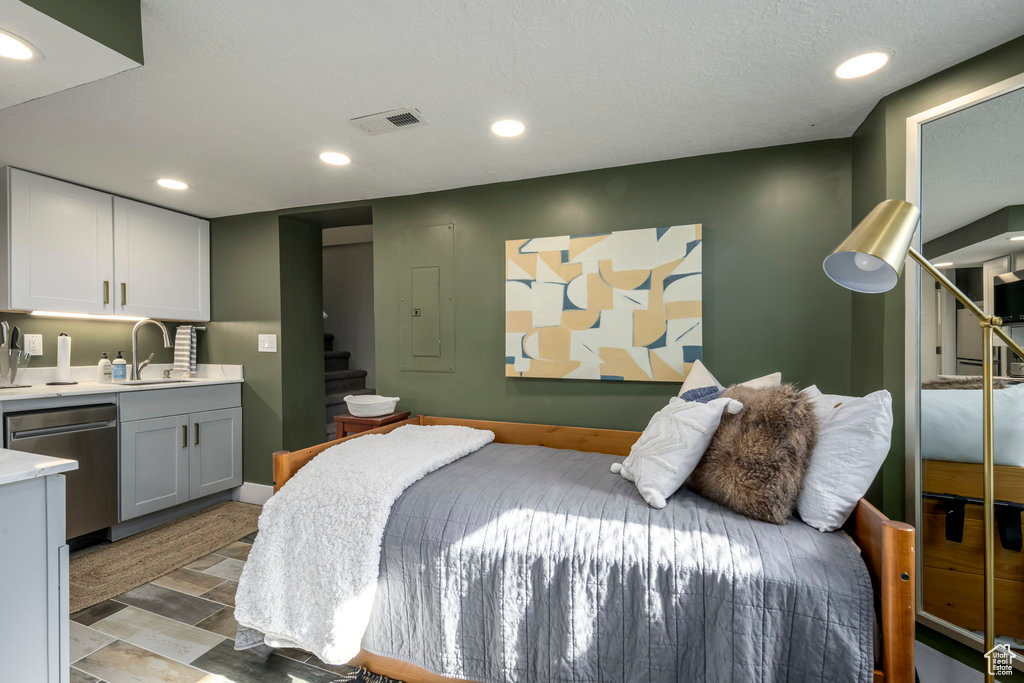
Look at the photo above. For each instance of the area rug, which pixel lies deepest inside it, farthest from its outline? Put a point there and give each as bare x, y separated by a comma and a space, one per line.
100, 574
361, 675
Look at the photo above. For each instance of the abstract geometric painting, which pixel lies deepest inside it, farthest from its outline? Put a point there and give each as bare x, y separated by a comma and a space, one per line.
622, 305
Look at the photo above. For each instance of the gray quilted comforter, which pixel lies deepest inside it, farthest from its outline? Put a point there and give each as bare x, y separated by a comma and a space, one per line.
522, 563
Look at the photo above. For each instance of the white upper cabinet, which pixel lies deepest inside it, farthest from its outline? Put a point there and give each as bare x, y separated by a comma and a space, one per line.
61, 245
161, 262
76, 250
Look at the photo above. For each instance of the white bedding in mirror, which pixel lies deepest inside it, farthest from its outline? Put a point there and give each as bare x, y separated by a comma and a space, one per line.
951, 423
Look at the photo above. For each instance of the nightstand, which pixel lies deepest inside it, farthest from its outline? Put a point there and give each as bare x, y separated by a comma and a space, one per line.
348, 425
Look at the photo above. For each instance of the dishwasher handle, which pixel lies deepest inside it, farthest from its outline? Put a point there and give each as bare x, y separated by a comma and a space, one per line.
64, 429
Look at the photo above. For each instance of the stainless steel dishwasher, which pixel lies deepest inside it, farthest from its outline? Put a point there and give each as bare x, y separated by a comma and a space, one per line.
87, 434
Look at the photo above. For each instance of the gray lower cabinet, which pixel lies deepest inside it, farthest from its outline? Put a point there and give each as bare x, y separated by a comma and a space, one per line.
215, 461
154, 464
33, 581
169, 460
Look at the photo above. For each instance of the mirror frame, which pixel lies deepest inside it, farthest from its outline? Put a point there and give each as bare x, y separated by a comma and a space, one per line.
912, 348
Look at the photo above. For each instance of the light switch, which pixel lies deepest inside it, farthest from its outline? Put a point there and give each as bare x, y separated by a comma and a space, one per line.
267, 343
34, 344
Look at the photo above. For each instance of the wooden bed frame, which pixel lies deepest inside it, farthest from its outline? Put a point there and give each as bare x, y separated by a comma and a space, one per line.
887, 546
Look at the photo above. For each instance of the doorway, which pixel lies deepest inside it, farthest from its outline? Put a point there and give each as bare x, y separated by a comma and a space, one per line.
348, 317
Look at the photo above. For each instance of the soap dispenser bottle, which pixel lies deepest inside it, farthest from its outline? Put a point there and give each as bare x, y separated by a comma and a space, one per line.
119, 368
103, 369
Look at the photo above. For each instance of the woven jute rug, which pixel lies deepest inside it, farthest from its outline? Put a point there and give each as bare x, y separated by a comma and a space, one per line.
361, 675
110, 570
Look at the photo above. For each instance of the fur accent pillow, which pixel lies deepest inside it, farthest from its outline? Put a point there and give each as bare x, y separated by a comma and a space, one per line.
962, 382
757, 459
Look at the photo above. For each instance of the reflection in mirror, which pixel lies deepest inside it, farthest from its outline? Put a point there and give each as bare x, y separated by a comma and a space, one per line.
972, 202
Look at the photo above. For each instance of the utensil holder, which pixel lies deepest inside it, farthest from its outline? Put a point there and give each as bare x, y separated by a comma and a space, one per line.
19, 360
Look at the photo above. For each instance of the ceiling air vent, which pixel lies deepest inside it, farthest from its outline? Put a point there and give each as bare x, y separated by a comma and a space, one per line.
388, 121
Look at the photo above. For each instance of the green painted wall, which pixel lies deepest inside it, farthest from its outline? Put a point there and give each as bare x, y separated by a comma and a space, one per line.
867, 348
114, 23
301, 347
89, 338
769, 216
879, 330
245, 301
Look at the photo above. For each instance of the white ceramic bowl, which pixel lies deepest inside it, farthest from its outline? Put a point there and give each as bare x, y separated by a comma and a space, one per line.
371, 405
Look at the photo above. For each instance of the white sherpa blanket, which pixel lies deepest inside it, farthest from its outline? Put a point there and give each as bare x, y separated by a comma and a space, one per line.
311, 576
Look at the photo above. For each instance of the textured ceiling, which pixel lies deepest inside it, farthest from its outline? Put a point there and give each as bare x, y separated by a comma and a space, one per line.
238, 97
69, 58
972, 164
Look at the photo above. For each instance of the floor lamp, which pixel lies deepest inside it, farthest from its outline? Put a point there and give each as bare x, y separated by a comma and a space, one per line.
870, 260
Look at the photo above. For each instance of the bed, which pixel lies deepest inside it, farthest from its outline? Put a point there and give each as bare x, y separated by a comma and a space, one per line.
952, 519
886, 547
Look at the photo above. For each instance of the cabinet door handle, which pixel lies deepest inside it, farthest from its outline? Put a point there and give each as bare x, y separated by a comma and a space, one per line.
124, 293
106, 292
196, 427
184, 436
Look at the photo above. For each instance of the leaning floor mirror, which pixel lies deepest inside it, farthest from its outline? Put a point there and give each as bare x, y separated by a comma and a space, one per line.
969, 183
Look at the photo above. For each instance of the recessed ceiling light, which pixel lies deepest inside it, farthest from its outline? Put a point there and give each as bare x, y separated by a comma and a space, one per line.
1018, 238
334, 158
172, 184
508, 128
862, 65
13, 47
944, 264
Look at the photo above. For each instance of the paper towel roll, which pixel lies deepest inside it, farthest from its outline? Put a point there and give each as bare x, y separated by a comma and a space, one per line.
63, 358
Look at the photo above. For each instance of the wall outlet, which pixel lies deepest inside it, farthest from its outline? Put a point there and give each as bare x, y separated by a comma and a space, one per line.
34, 344
267, 343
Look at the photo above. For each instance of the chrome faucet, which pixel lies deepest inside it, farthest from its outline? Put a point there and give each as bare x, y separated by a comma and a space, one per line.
136, 365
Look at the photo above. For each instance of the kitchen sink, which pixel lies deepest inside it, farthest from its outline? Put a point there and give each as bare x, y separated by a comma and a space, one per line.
137, 382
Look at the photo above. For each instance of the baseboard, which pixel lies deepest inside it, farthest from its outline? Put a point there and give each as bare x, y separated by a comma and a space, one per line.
257, 494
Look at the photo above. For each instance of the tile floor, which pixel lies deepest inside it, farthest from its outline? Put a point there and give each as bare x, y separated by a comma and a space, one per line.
180, 629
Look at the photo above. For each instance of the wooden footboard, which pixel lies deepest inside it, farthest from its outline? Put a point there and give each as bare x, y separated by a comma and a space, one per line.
887, 546
287, 463
888, 551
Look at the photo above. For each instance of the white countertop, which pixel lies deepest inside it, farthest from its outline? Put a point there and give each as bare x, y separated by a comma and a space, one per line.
87, 384
19, 466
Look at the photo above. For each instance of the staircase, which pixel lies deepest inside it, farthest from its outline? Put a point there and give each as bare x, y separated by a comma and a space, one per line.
339, 382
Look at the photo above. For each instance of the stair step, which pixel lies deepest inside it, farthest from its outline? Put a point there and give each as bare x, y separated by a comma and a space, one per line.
336, 360
334, 404
344, 374
339, 398
344, 380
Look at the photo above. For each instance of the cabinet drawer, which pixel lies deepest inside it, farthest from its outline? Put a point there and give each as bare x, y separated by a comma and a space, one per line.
180, 400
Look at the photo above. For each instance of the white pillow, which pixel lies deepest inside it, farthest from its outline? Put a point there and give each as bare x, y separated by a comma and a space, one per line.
700, 383
671, 446
951, 425
853, 441
766, 382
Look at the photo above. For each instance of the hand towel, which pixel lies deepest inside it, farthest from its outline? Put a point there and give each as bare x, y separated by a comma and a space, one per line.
185, 349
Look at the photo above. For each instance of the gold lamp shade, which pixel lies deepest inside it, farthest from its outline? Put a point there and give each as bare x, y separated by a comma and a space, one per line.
871, 258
